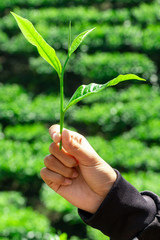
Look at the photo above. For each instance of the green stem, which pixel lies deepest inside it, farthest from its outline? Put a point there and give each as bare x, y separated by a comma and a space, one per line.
62, 100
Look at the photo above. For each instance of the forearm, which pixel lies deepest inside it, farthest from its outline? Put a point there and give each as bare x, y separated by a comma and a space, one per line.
126, 214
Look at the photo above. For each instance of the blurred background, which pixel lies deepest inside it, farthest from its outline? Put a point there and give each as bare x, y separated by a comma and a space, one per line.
122, 123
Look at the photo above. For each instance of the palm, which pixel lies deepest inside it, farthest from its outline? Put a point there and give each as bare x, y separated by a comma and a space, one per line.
78, 193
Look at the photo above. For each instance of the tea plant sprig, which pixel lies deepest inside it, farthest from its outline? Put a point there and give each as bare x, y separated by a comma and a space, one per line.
49, 54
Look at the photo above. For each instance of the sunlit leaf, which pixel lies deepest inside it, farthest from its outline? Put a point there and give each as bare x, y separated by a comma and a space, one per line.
78, 40
44, 49
85, 90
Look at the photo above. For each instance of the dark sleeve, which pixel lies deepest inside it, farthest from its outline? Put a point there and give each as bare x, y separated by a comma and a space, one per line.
126, 214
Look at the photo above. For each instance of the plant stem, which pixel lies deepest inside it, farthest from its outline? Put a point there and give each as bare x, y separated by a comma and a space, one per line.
62, 100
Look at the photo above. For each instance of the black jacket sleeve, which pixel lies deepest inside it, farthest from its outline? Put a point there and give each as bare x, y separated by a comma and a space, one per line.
126, 214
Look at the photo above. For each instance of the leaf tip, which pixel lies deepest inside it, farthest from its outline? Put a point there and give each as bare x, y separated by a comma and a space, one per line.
12, 13
16, 16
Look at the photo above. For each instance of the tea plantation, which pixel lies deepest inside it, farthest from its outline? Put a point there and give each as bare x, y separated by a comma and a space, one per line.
122, 123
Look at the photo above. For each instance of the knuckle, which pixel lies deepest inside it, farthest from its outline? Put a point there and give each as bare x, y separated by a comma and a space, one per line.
69, 173
52, 148
46, 161
60, 179
71, 163
42, 172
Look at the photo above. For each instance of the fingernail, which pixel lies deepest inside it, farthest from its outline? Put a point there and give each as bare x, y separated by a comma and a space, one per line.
75, 174
67, 181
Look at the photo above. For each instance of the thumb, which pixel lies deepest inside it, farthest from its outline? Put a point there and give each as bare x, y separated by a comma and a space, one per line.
77, 145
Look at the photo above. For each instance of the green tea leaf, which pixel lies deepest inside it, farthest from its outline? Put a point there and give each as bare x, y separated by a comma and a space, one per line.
44, 49
85, 90
78, 40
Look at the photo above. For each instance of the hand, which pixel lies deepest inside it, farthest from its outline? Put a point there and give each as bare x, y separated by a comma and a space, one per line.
77, 172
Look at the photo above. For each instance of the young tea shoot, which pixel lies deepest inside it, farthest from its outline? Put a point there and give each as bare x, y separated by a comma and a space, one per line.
49, 54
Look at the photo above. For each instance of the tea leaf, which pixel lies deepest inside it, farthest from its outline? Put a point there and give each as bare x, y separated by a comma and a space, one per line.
78, 40
85, 90
44, 49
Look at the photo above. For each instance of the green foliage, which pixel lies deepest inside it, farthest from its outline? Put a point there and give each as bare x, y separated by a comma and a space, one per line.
12, 199
57, 3
86, 90
18, 221
121, 123
106, 66
27, 132
94, 234
127, 155
23, 108
147, 132
141, 13
105, 36
77, 41
21, 158
45, 51
64, 208
144, 180
120, 115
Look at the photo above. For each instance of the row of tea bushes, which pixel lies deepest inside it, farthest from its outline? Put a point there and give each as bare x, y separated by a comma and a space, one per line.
8, 4
101, 66
143, 181
24, 159
127, 155
148, 132
18, 106
116, 117
66, 211
27, 133
104, 38
136, 39
20, 222
84, 14
110, 110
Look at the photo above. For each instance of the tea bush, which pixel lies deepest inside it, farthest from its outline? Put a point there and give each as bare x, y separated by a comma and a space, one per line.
65, 209
117, 117
140, 13
18, 106
106, 66
43, 3
127, 155
105, 37
27, 132
19, 221
21, 158
144, 181
147, 132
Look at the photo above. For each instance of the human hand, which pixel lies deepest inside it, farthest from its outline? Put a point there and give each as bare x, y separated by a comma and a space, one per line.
77, 172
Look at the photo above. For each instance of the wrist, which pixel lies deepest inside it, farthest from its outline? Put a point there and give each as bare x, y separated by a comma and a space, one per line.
109, 181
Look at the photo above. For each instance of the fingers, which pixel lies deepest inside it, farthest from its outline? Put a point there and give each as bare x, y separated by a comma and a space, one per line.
79, 147
76, 146
62, 155
54, 132
71, 141
54, 180
53, 164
